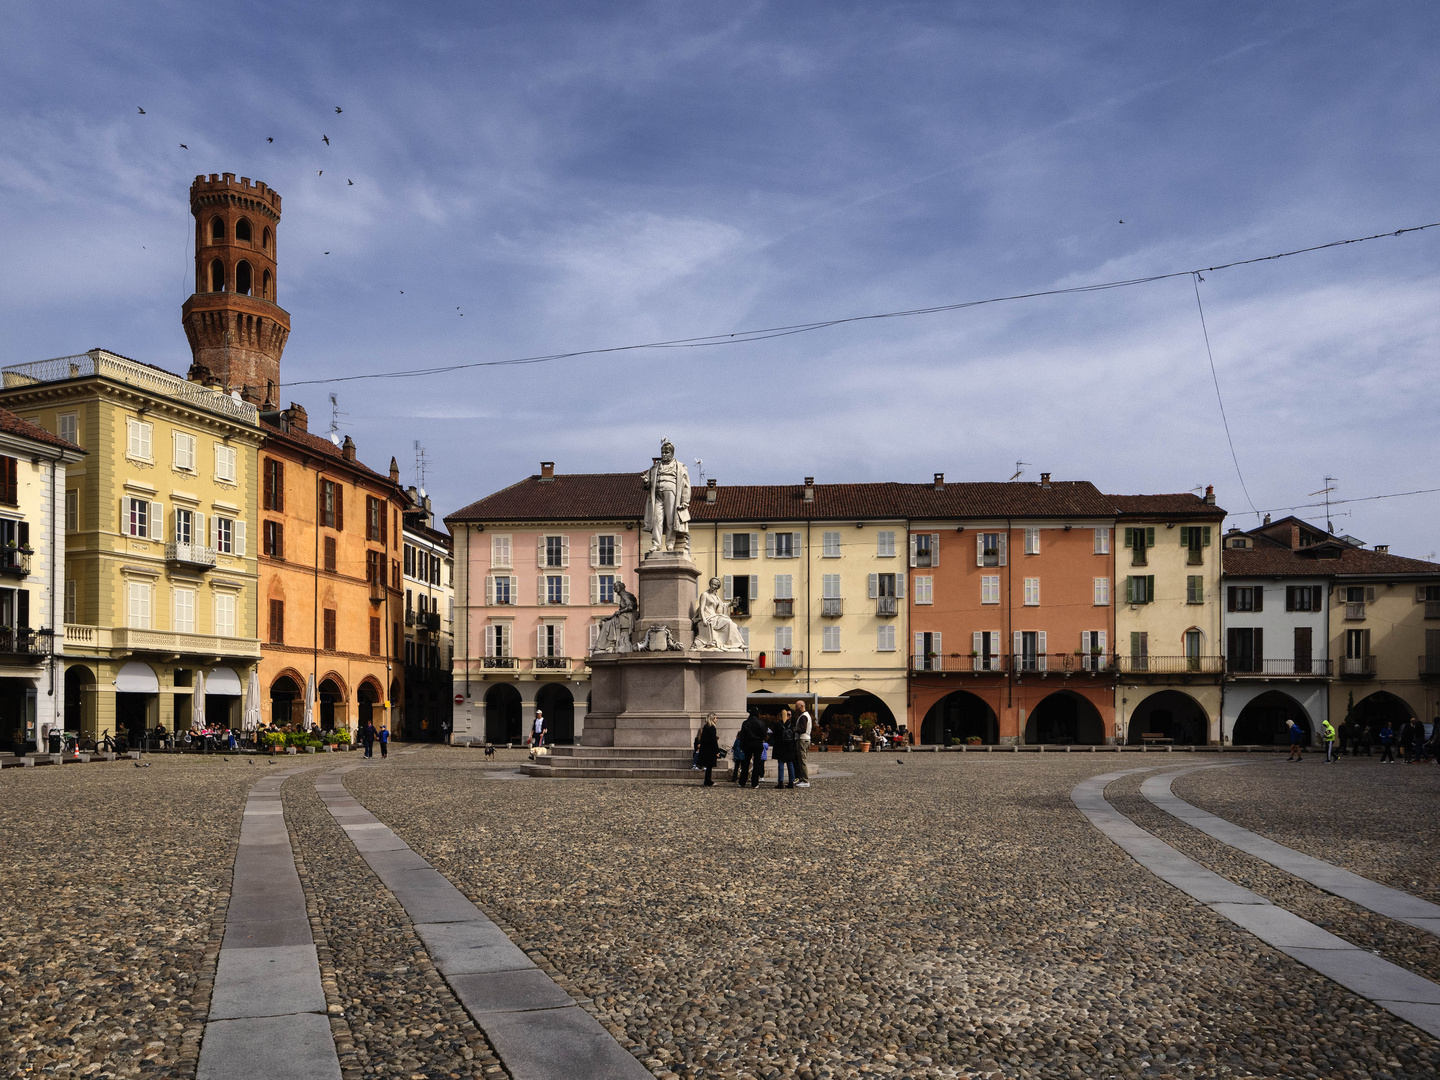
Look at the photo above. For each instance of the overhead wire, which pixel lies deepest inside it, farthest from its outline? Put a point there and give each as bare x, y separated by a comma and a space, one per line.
1195, 280
1342, 502
767, 333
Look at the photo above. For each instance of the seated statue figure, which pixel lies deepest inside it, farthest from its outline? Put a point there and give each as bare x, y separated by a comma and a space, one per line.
615, 630
714, 629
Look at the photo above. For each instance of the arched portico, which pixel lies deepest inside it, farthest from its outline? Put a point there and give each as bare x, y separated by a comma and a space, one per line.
1170, 713
960, 715
857, 703
502, 714
1262, 722
1374, 709
1067, 718
558, 705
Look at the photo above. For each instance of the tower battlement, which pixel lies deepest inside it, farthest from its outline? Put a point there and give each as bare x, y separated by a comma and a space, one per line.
223, 187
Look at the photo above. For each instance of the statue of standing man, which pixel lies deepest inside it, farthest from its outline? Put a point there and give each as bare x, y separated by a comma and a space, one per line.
667, 505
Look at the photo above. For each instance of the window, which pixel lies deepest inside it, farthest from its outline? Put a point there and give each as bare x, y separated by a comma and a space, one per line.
332, 505
185, 525
784, 587
831, 545
885, 638
1139, 651
1102, 541
603, 550
277, 622
1138, 540
784, 653
1139, 589
1244, 649
374, 635
1032, 592
217, 276
1304, 654
500, 551
740, 589
929, 652
408, 557
274, 539
1357, 644
183, 451
924, 549
9, 481
887, 586
1102, 592
604, 591
550, 639
69, 424
242, 230
139, 598
830, 586
329, 629
138, 442
1092, 650
783, 545
1029, 649
1303, 598
742, 545
141, 518
225, 463
72, 511
224, 535
1195, 538
501, 589
375, 519
1032, 541
224, 604
1245, 598
830, 639
1194, 649
497, 639
990, 549
217, 229
990, 589
555, 589
555, 551
924, 589
184, 611
884, 544
71, 602
329, 553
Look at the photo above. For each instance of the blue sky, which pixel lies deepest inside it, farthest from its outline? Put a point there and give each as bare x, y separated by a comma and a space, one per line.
545, 177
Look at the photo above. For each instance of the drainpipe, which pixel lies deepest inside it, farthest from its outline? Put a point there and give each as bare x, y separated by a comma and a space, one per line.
808, 556
53, 549
1010, 627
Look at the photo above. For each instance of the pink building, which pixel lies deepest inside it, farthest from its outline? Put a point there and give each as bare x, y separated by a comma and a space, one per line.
535, 569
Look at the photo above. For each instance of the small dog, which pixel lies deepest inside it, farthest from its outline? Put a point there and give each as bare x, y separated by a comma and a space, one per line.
489, 750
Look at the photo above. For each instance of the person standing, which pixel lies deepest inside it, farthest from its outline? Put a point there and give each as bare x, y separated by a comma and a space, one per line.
537, 737
1417, 741
1327, 730
752, 734
804, 726
367, 736
384, 740
708, 748
1295, 736
1387, 743
737, 758
1366, 739
1344, 731
782, 738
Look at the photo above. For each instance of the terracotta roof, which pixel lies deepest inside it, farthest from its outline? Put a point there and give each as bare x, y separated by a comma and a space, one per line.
319, 445
11, 423
568, 497
1184, 504
1274, 561
1062, 499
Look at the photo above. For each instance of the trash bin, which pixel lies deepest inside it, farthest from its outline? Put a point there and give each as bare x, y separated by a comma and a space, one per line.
55, 742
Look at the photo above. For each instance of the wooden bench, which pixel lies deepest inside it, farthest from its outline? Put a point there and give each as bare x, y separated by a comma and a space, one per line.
1154, 738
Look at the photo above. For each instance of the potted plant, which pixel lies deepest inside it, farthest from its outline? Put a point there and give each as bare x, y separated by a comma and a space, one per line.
972, 740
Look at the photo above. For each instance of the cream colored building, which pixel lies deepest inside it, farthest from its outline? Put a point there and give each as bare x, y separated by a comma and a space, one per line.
1169, 637
160, 580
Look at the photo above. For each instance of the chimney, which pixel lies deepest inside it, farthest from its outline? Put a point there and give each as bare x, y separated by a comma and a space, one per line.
1045, 480
298, 417
939, 481
1294, 536
394, 471
1210, 494
347, 448
1266, 521
710, 490
809, 489
547, 470
1382, 549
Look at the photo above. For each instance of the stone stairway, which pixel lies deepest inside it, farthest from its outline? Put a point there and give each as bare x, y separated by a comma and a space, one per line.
616, 762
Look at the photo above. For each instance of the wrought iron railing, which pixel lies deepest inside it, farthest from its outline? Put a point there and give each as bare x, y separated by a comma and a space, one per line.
14, 562
1169, 665
1316, 666
833, 608
1356, 667
498, 662
886, 606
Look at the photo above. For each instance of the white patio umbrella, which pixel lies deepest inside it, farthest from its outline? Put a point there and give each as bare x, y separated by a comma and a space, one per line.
309, 701
251, 720
197, 703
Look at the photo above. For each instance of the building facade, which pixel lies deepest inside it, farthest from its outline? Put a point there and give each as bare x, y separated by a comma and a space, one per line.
160, 569
427, 571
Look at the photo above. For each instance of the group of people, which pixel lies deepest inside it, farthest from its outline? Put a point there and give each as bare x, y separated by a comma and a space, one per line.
1415, 741
369, 737
785, 738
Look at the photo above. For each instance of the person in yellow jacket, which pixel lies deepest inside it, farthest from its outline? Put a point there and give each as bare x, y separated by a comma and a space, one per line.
1327, 730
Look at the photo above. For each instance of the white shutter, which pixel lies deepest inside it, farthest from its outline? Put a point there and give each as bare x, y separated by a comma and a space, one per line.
177, 449
156, 524
1040, 650
900, 586
729, 545
175, 525
238, 538
490, 590
754, 586
1004, 545
934, 549
540, 640
540, 590
769, 545
874, 586
1100, 642
560, 640
1017, 649
797, 544
979, 549
914, 540
754, 545
540, 552
977, 646
214, 531
920, 649
565, 551
594, 549
594, 585
565, 588
938, 650
729, 580
1084, 648
514, 589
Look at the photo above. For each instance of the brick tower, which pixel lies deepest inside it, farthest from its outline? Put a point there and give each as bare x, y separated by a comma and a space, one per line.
236, 330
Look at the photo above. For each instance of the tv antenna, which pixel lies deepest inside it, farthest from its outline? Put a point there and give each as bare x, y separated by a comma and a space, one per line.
421, 464
1330, 483
1019, 468
700, 471
335, 415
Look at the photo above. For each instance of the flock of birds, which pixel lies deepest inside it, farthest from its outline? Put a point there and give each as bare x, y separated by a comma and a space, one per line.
271, 138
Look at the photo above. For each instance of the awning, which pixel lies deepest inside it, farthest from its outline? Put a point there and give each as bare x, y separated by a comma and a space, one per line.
222, 682
137, 678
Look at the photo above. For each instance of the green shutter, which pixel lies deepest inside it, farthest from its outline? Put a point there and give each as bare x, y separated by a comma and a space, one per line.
1129, 538
1205, 536
1149, 588
1184, 535
1150, 536
1129, 590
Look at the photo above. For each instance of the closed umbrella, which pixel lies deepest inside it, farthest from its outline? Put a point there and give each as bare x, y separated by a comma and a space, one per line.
197, 707
310, 701
251, 720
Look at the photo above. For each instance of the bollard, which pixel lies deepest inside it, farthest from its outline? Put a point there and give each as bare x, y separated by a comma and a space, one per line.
134, 755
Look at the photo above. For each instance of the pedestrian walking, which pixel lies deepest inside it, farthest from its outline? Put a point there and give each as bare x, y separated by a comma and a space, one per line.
537, 738
1367, 739
1344, 731
752, 736
782, 738
708, 748
1327, 731
804, 726
384, 741
1387, 743
367, 736
1296, 734
1417, 741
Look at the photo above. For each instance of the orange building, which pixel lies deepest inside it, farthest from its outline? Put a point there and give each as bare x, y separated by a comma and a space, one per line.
331, 610
1011, 613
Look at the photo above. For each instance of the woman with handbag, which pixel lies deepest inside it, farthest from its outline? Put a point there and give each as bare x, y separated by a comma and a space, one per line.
782, 737
708, 748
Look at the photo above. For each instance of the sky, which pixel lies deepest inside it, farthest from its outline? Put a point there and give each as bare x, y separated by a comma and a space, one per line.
517, 180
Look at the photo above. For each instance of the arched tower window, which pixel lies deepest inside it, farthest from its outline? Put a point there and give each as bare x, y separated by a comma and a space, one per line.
243, 277
265, 238
217, 276
217, 229
242, 230
265, 286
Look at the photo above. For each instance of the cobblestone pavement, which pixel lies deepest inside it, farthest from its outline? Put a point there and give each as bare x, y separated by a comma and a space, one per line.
930, 915
113, 890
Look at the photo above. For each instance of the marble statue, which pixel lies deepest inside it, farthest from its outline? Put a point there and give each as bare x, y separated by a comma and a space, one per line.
615, 630
667, 502
714, 629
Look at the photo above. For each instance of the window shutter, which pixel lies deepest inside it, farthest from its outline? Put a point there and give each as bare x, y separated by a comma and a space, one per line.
899, 586
1314, 597
1369, 598
1259, 649
156, 525
754, 545
977, 645
1150, 536
565, 551
540, 640
490, 590
594, 550
565, 588
1129, 538
238, 538
920, 647
1205, 536
729, 580
935, 645
1290, 597
797, 544
540, 551
540, 589
1084, 646
874, 586
1149, 588
754, 586
1419, 594
594, 589
1040, 651
124, 517
914, 542
934, 549
769, 545
979, 550
1259, 594
1230, 598
1130, 590
1017, 645
729, 545
339, 507
1004, 548
1100, 640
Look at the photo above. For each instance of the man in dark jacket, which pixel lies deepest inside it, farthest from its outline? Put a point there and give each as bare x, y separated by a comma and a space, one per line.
752, 734
367, 736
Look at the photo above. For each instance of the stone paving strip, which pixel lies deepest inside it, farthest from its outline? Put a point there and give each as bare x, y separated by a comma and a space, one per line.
1381, 899
1393, 988
538, 1030
267, 1011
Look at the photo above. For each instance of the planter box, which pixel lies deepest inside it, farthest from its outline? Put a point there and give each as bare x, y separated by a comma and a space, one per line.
835, 749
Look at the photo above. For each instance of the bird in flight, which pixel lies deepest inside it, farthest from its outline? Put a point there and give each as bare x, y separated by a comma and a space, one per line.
1122, 221
350, 182
327, 253
270, 140
184, 147
338, 109
326, 138
319, 172
142, 111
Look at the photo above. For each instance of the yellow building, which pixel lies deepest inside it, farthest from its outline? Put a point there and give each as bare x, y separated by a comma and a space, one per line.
160, 574
1168, 631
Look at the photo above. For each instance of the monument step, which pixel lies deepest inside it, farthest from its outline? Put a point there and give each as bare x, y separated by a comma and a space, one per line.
628, 751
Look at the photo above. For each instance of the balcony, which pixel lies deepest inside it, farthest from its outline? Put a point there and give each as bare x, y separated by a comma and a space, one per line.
784, 609
409, 616
993, 664
886, 606
190, 556
551, 663
124, 640
1317, 667
1194, 556
14, 562
833, 607
430, 620
1170, 665
1430, 667
504, 662
377, 590
25, 646
1357, 667
782, 664
1354, 611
